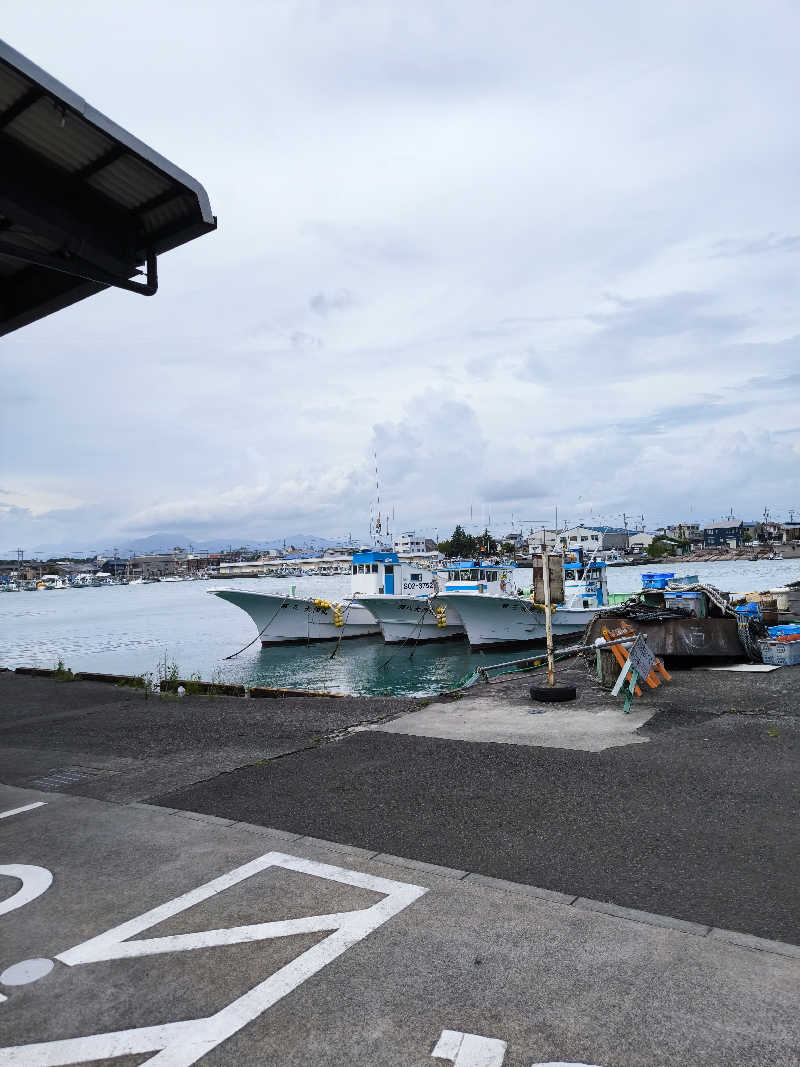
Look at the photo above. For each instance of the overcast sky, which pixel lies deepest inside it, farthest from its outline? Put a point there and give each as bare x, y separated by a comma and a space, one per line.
534, 254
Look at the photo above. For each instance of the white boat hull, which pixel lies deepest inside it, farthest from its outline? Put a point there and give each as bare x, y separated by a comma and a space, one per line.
286, 619
508, 620
404, 618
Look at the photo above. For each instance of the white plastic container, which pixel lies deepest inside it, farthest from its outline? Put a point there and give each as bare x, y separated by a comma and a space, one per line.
780, 653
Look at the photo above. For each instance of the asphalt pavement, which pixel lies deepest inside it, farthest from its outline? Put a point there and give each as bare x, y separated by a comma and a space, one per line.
139, 935
309, 880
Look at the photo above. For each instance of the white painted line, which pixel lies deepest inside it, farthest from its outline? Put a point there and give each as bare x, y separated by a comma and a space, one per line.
236, 935
26, 971
35, 880
25, 807
469, 1050
180, 1044
448, 1045
109, 945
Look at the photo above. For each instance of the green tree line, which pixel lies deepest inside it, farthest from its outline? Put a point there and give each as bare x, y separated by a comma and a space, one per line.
466, 546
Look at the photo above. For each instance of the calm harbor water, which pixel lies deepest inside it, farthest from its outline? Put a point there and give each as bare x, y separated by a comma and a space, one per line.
130, 629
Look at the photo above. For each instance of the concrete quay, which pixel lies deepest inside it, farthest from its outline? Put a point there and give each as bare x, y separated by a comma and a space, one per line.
376, 881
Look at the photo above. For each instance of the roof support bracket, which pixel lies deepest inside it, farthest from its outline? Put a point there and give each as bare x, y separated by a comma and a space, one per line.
78, 268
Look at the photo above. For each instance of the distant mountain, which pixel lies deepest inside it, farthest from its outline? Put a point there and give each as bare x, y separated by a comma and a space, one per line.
165, 542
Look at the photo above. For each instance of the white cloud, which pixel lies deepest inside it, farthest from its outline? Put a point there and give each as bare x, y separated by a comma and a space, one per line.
535, 255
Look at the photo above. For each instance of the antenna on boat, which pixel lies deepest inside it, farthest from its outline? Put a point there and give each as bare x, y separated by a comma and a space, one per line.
376, 527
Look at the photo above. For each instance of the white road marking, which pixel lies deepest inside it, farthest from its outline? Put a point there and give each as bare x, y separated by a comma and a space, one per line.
179, 1044
25, 807
35, 880
469, 1050
26, 971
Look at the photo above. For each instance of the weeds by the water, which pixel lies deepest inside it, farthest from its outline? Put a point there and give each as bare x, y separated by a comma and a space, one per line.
172, 686
147, 684
168, 672
63, 673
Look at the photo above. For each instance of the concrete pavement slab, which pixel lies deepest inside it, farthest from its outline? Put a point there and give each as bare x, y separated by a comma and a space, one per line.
473, 718
203, 939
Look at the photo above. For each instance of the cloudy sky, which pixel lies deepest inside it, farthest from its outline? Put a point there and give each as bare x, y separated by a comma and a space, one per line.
534, 254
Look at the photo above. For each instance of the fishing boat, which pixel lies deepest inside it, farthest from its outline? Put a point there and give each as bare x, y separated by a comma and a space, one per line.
293, 619
517, 620
420, 615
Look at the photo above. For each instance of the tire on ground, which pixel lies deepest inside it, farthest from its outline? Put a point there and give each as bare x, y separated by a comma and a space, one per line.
555, 694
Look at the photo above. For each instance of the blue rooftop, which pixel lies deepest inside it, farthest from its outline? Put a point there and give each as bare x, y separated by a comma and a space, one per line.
375, 557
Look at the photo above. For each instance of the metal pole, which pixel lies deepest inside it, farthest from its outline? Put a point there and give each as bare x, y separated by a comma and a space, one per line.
548, 617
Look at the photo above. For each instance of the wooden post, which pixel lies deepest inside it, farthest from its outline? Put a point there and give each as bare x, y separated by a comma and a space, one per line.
548, 615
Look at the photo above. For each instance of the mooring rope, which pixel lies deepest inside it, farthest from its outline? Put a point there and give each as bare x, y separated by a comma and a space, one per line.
258, 636
418, 628
341, 632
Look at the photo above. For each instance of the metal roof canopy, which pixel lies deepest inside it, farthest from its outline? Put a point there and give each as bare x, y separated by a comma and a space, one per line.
83, 203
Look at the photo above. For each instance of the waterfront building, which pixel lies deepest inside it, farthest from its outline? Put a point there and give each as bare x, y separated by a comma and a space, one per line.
640, 540
728, 534
409, 544
683, 531
594, 538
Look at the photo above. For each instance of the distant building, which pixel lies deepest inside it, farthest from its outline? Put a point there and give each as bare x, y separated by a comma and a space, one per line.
791, 532
156, 564
729, 534
594, 538
684, 531
115, 566
549, 538
640, 540
516, 539
409, 543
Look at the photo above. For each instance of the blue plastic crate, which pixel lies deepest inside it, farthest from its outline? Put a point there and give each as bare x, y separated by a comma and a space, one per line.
784, 630
655, 580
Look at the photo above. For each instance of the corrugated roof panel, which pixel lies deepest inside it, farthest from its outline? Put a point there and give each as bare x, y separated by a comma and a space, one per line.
70, 146
12, 87
130, 182
160, 217
108, 177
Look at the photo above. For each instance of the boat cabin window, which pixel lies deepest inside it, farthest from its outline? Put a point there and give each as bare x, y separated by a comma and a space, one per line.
355, 568
374, 568
390, 568
415, 578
